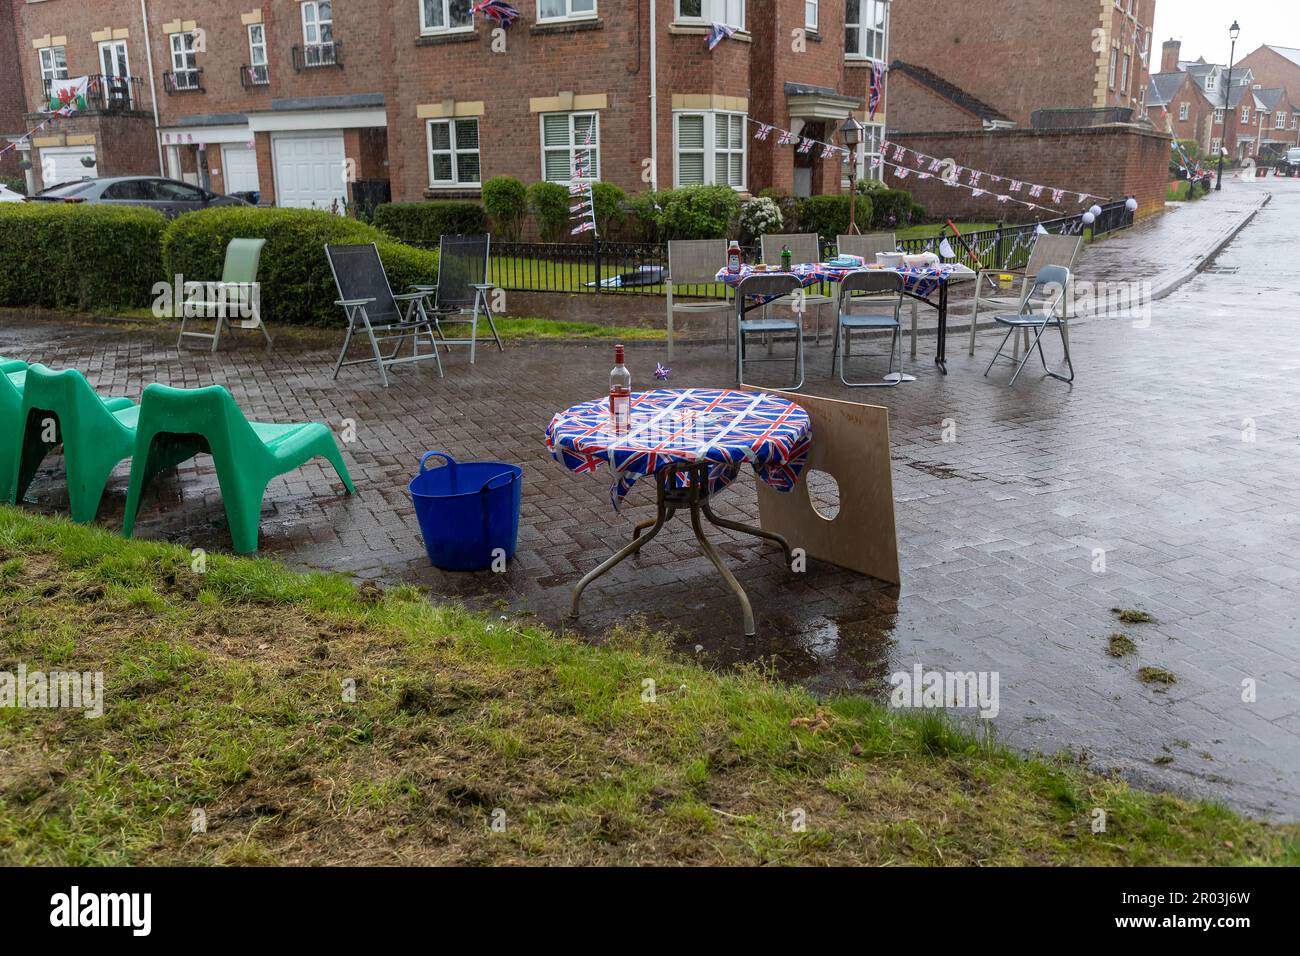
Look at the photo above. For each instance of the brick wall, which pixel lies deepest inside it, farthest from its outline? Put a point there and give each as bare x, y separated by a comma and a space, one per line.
11, 88
1272, 70
916, 106
1112, 161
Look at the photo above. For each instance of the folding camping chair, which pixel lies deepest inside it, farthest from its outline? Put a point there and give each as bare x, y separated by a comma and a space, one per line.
887, 316
461, 294
767, 287
1052, 282
371, 307
237, 290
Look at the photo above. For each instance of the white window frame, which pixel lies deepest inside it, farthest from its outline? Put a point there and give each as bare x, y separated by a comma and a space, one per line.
1218, 117
1128, 67
318, 22
1245, 114
52, 71
1114, 67
253, 47
426, 29
712, 11
869, 150
180, 56
1279, 121
568, 14
866, 28
1184, 112
811, 14
1211, 82
711, 151
116, 46
574, 146
455, 182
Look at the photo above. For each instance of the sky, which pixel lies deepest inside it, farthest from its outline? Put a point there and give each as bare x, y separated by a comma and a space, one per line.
1203, 25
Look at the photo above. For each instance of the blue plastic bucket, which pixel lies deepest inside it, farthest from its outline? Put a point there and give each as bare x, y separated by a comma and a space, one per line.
468, 511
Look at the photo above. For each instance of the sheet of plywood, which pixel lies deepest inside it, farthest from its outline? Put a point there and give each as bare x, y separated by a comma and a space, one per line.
851, 444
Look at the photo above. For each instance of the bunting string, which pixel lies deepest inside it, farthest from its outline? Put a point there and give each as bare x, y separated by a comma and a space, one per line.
26, 136
580, 190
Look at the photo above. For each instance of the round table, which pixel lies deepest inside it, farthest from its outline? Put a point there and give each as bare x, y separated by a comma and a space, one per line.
694, 441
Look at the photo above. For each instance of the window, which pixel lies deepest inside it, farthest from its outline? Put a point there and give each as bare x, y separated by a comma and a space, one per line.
1211, 81
810, 14
730, 12
1280, 120
1218, 117
564, 137
710, 149
445, 16
564, 9
318, 32
1128, 61
1114, 66
257, 67
1215, 146
1245, 114
54, 64
185, 67
1184, 110
1295, 120
112, 58
864, 29
873, 134
453, 152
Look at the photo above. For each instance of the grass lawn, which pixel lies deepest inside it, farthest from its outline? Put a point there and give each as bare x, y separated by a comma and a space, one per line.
224, 692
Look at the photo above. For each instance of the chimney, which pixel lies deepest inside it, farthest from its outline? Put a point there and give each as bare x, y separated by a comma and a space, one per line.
1169, 59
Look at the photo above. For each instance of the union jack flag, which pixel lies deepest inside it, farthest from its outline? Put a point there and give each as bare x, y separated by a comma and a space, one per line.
877, 86
1035, 192
1058, 195
719, 32
764, 131
786, 138
498, 10
806, 145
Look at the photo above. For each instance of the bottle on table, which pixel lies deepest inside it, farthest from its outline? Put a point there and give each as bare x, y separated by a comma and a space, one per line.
620, 391
734, 257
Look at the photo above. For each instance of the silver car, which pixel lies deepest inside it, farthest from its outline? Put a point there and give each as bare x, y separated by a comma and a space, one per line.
168, 196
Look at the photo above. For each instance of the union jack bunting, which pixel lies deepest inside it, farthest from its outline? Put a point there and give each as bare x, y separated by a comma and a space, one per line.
1083, 198
901, 172
1058, 195
582, 227
1035, 192
764, 131
806, 145
1015, 185
924, 176
719, 32
723, 427
786, 138
900, 153
1004, 198
498, 10
829, 151
935, 165
975, 177
976, 192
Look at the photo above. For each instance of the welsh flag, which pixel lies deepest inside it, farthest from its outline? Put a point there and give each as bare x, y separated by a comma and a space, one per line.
68, 96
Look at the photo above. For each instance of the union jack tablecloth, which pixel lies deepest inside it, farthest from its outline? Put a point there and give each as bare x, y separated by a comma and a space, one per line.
919, 282
686, 425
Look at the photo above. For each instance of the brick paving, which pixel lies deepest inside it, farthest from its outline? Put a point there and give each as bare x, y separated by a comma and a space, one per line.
1144, 457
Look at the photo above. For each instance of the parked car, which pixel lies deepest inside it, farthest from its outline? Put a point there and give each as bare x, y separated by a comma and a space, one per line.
168, 196
8, 195
1289, 165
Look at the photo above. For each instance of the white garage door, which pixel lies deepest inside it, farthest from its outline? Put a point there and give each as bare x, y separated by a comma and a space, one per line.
309, 169
239, 169
62, 164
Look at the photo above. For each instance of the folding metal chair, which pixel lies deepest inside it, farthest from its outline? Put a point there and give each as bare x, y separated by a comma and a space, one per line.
804, 247
371, 307
1048, 250
847, 321
767, 287
867, 246
1052, 282
461, 294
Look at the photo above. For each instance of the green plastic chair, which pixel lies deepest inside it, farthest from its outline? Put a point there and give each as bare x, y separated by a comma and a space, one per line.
247, 454
96, 433
13, 376
238, 274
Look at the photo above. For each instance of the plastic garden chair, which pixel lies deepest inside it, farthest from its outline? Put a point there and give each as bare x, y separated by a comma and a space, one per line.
177, 423
96, 433
237, 290
13, 375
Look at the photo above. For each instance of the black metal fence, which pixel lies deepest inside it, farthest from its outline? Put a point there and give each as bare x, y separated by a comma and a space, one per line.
631, 268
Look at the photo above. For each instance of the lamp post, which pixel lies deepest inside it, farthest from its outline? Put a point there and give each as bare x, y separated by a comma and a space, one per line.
852, 133
1234, 31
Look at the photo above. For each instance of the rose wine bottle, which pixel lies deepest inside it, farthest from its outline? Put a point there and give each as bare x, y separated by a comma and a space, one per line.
620, 391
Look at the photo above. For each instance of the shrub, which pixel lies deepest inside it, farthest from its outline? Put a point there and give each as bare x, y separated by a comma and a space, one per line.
890, 209
828, 216
549, 203
760, 216
17, 183
645, 216
425, 223
78, 256
610, 201
296, 283
699, 212
506, 202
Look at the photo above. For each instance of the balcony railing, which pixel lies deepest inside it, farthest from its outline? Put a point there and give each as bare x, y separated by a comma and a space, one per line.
110, 94
254, 76
183, 81
312, 56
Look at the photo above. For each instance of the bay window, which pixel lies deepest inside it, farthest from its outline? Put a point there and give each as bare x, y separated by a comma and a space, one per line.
864, 29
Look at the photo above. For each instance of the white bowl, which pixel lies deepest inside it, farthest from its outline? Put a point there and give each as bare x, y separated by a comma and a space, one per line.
890, 260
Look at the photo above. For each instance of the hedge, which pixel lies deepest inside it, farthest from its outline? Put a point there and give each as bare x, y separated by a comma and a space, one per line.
425, 223
296, 284
57, 255
828, 216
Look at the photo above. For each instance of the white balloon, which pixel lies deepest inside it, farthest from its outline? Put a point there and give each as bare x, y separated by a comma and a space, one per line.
1089, 218
1096, 211
1131, 205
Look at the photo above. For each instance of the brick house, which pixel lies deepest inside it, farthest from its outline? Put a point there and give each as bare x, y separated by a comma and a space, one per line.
1176, 104
11, 93
1023, 55
298, 98
1274, 67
